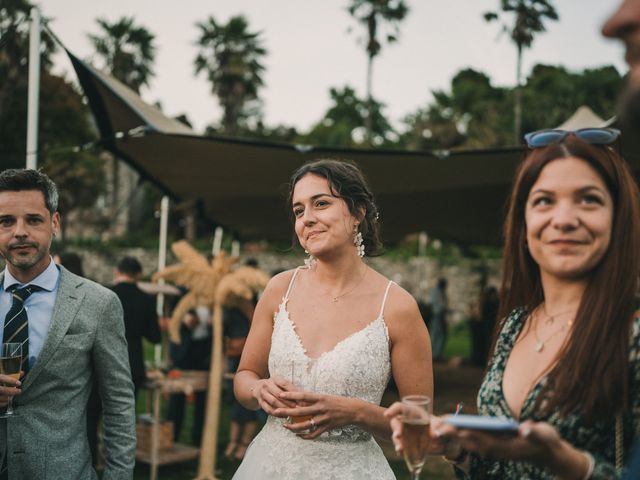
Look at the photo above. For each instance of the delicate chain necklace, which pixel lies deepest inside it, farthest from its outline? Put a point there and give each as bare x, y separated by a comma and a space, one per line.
335, 299
551, 318
541, 343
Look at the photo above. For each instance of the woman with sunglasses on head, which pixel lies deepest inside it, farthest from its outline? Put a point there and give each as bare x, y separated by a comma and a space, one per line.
566, 359
325, 339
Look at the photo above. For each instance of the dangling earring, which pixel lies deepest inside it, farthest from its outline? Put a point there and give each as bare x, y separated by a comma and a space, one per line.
358, 242
310, 261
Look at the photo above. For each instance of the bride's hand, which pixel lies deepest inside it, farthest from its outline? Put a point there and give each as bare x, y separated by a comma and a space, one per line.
326, 412
268, 394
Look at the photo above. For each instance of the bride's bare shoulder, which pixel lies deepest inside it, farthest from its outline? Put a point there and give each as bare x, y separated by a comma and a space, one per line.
279, 283
401, 306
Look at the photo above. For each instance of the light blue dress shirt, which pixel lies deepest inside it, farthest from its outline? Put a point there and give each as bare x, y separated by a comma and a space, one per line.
39, 306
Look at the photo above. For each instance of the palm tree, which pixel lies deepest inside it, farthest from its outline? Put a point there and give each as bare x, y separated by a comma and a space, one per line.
14, 48
528, 19
127, 51
231, 57
371, 13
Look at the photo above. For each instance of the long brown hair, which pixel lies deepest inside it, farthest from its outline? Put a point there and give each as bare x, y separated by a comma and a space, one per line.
592, 370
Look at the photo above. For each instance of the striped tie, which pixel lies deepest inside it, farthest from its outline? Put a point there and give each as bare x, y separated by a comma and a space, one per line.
16, 323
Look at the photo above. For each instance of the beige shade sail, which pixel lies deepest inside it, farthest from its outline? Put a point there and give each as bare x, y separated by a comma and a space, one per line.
242, 184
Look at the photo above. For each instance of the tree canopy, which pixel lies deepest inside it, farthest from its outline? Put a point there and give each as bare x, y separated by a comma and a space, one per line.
476, 114
126, 50
64, 119
231, 56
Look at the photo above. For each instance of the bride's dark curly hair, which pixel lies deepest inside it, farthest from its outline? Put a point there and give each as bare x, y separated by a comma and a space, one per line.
347, 182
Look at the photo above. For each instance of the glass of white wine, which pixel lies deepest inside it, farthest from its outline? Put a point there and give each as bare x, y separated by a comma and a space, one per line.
10, 365
416, 418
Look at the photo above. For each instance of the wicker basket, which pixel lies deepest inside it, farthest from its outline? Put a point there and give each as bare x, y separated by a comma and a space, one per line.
165, 436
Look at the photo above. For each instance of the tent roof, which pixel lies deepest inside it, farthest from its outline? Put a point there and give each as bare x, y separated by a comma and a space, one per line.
583, 117
241, 184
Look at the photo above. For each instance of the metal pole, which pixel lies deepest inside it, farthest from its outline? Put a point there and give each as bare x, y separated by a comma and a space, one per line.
217, 241
162, 262
235, 248
423, 240
34, 90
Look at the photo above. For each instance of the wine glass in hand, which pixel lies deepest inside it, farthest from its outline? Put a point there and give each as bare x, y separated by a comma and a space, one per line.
303, 376
10, 365
416, 417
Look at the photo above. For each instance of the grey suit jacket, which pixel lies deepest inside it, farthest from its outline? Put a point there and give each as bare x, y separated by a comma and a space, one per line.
47, 438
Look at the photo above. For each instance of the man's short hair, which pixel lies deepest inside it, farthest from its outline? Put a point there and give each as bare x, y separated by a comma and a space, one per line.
129, 266
23, 179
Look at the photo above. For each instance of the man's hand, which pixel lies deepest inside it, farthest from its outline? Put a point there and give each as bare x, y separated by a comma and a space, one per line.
9, 388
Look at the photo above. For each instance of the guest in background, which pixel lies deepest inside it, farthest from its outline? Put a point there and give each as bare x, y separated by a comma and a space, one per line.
193, 353
624, 24
482, 323
439, 304
140, 317
243, 421
71, 261
237, 320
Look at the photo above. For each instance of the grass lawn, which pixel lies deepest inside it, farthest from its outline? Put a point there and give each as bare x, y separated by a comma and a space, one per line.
458, 344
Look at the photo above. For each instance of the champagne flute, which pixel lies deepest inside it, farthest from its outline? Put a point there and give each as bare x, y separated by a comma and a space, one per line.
303, 377
10, 363
416, 418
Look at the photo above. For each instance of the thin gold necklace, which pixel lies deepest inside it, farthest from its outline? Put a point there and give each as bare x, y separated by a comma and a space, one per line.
551, 318
541, 343
335, 298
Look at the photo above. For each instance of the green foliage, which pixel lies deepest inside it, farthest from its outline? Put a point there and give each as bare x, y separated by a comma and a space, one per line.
126, 50
527, 19
458, 341
346, 118
374, 14
475, 114
63, 123
231, 58
370, 13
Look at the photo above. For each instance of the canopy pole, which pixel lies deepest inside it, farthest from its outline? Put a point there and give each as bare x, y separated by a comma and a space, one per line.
34, 90
217, 241
162, 262
423, 239
235, 248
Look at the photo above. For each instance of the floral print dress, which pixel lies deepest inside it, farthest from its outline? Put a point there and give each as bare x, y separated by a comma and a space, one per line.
598, 439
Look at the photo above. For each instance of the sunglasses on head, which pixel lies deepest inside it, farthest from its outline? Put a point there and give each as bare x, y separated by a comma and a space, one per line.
594, 136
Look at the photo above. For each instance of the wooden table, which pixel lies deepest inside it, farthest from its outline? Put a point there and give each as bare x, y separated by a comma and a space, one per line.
157, 384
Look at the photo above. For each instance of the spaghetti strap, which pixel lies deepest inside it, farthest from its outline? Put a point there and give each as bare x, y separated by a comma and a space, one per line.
384, 300
286, 295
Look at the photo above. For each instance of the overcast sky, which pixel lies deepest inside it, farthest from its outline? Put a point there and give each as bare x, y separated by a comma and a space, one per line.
310, 50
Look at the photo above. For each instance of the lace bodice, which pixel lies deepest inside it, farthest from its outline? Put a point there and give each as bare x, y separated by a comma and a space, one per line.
359, 366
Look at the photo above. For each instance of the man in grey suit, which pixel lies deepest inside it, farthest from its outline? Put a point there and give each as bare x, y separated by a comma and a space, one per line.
75, 335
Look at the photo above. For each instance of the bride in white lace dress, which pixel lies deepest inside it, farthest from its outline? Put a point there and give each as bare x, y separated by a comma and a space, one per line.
325, 339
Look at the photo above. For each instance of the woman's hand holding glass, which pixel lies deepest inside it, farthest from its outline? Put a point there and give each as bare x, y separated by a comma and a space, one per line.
325, 412
268, 394
439, 445
535, 442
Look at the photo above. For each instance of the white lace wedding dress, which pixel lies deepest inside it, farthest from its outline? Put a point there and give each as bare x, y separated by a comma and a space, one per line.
358, 366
